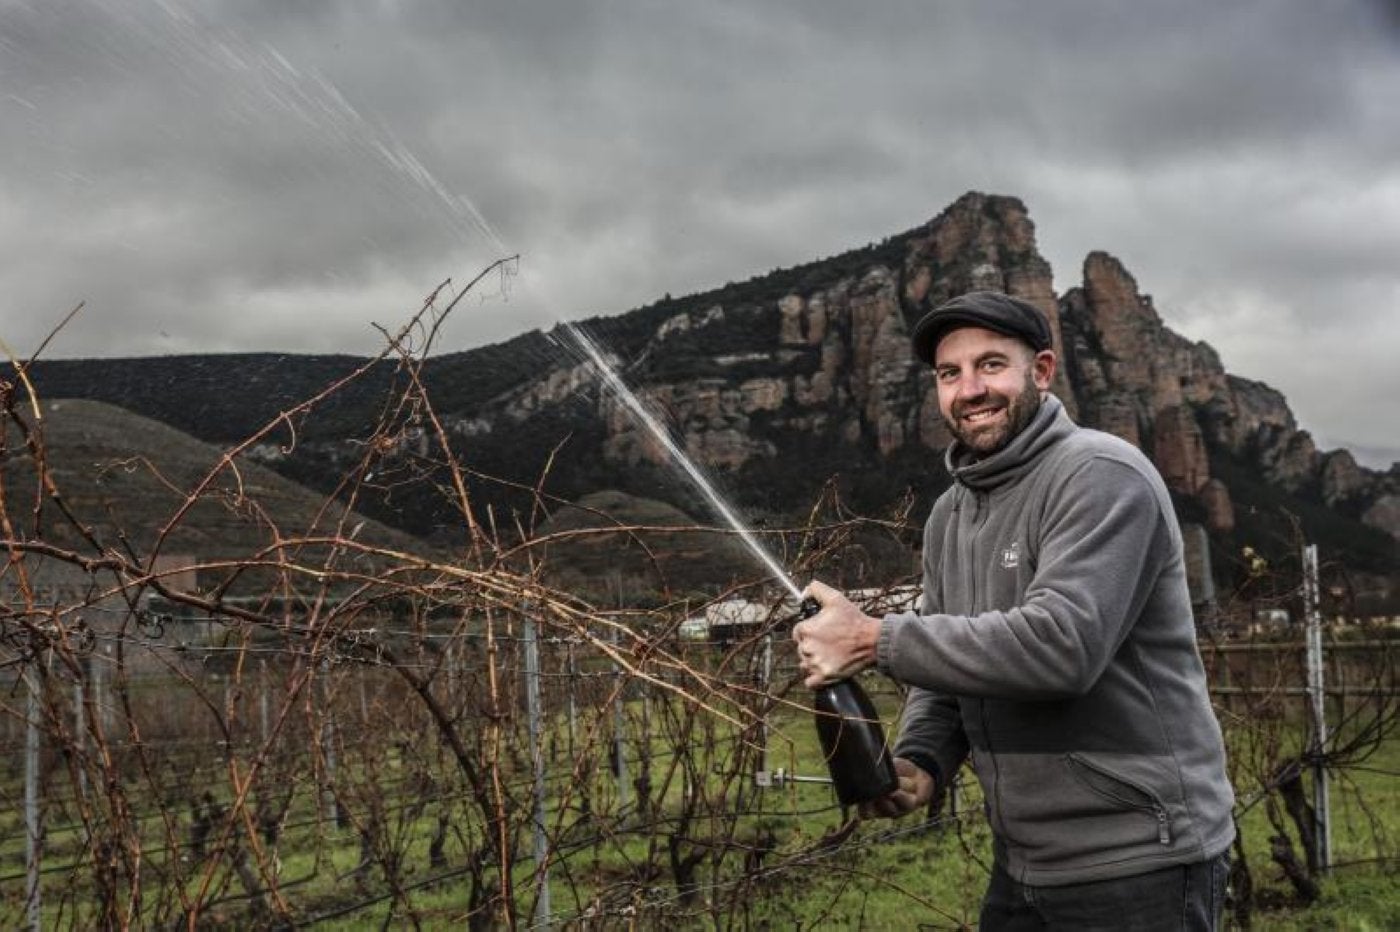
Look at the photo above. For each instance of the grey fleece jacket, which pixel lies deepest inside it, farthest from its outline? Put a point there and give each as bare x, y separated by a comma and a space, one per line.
1055, 641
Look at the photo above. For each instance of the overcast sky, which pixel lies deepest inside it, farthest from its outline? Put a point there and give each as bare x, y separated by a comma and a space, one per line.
226, 176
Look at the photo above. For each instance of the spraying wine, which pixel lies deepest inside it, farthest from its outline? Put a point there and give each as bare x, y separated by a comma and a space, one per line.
860, 763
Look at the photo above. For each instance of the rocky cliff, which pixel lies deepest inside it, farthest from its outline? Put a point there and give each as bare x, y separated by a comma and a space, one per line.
780, 383
838, 365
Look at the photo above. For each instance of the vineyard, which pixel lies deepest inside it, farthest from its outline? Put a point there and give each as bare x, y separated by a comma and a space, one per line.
334, 729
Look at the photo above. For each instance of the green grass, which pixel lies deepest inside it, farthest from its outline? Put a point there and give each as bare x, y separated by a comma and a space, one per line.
887, 875
1358, 894
893, 875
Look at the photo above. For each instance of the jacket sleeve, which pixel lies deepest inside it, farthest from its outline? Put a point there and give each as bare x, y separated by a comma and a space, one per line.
1103, 536
931, 731
931, 734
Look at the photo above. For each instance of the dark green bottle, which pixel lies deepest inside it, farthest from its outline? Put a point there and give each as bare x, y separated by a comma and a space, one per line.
860, 763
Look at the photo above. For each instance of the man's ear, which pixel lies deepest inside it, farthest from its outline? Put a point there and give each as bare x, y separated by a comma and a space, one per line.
1043, 369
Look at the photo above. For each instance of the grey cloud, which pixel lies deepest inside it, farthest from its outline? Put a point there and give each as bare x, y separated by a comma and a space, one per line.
230, 171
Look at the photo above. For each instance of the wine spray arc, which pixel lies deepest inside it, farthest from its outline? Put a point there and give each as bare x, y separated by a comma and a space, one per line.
848, 726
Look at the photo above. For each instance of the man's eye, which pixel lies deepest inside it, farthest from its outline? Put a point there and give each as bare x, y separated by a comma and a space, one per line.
993, 366
946, 375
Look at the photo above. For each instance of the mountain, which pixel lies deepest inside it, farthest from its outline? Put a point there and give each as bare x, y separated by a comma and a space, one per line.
800, 383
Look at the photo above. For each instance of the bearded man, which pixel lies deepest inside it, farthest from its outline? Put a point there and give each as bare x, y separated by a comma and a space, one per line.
1054, 641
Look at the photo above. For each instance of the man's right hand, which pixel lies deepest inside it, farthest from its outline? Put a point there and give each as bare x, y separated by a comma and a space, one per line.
915, 791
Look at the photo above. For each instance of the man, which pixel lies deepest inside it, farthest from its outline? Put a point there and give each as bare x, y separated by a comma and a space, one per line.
1055, 641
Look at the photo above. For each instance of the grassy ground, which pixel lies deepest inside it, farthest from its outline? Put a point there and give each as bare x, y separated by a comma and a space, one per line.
914, 874
933, 879
1360, 892
911, 874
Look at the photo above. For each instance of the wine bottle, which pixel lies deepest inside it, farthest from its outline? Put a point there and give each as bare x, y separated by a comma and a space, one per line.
860, 763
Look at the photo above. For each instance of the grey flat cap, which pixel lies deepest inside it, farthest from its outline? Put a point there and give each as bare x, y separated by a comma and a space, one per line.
989, 309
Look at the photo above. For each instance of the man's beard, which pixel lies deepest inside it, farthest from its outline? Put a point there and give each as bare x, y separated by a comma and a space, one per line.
983, 441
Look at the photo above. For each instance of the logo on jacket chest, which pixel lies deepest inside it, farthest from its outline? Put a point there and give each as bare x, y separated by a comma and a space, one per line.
1011, 556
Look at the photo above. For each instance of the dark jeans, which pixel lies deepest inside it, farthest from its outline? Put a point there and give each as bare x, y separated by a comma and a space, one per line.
1174, 899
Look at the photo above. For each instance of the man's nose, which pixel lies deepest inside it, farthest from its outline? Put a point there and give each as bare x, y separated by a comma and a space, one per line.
971, 384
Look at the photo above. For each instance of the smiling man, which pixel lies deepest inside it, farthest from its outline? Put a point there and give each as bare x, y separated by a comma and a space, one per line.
1054, 642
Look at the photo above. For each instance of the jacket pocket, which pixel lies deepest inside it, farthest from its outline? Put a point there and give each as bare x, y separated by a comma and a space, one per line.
1122, 792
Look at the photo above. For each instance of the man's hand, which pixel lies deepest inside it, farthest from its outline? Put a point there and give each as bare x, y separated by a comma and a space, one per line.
915, 791
837, 642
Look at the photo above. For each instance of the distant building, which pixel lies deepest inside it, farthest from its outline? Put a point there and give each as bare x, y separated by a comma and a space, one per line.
732, 620
1270, 621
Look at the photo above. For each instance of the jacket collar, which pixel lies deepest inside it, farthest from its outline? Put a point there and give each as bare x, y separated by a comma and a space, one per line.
1050, 425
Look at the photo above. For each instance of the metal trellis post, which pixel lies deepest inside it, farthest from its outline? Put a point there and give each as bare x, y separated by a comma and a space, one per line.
763, 686
1318, 708
532, 701
330, 806
573, 701
264, 712
80, 736
620, 732
33, 843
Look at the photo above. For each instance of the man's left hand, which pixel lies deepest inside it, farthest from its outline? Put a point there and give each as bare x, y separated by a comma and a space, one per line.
837, 642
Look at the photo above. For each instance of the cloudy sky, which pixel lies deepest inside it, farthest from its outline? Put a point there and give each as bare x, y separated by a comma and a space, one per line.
223, 176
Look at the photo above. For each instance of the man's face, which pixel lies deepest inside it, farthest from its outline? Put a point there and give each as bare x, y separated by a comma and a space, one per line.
989, 386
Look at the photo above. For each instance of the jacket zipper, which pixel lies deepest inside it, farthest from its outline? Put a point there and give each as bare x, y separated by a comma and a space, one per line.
1152, 804
969, 560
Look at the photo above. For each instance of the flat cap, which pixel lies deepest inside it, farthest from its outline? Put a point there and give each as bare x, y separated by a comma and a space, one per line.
989, 309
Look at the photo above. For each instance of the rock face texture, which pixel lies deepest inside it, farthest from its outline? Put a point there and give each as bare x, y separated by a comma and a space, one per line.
980, 243
837, 366
779, 383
